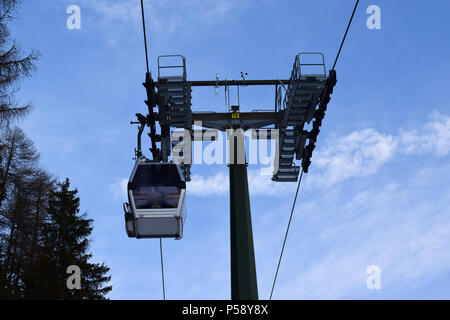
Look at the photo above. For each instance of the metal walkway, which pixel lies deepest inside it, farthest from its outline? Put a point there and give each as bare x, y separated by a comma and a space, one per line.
177, 89
303, 94
173, 85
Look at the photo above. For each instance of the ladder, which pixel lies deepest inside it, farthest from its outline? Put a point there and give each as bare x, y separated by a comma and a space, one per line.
177, 89
173, 84
299, 104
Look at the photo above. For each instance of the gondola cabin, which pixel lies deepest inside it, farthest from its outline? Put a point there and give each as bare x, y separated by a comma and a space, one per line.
155, 207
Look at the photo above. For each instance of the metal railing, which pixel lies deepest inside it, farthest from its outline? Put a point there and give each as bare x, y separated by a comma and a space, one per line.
172, 66
300, 64
296, 75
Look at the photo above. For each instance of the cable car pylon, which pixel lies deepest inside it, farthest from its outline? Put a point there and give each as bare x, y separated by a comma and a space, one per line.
157, 187
243, 269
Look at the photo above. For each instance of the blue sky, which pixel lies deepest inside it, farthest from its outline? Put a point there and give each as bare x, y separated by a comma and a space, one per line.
377, 191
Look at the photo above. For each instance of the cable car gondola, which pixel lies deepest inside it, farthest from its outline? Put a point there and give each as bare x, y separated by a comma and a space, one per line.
155, 207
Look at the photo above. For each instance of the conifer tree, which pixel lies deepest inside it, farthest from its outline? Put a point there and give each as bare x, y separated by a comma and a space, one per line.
14, 65
41, 229
64, 243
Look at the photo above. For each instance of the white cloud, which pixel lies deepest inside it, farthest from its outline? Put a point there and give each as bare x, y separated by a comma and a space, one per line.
355, 155
218, 184
262, 184
362, 153
119, 189
433, 138
206, 186
165, 15
396, 226
117, 11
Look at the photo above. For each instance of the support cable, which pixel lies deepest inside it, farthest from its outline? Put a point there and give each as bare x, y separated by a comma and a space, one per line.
148, 72
285, 236
226, 101
145, 35
162, 268
301, 175
151, 95
345, 35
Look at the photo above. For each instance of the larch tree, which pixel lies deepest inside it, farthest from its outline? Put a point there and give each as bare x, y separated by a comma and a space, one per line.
14, 66
41, 230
